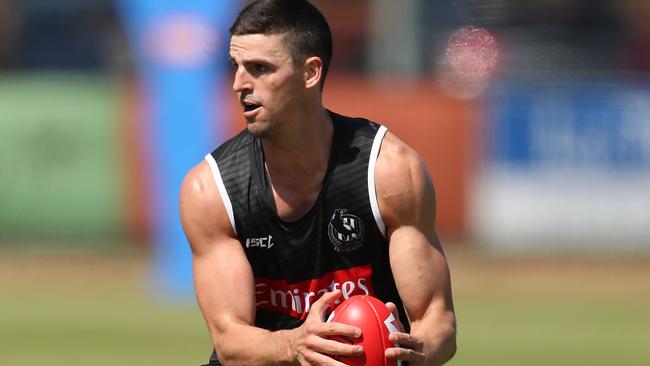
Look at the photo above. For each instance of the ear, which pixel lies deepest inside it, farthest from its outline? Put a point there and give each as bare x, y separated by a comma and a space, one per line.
313, 71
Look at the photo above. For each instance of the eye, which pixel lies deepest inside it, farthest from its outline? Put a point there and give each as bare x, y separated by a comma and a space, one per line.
259, 68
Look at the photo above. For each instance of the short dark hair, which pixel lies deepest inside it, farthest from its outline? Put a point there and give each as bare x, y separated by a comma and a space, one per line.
306, 32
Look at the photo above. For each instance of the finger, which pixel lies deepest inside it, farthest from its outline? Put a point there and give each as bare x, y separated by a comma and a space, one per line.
405, 340
321, 305
393, 309
404, 354
335, 329
315, 358
337, 346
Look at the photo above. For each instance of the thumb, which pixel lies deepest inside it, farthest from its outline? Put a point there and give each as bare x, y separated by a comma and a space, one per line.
393, 309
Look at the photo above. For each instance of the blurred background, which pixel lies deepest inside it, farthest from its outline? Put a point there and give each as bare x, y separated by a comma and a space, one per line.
533, 118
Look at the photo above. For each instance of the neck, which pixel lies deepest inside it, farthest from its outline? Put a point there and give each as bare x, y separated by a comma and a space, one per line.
305, 149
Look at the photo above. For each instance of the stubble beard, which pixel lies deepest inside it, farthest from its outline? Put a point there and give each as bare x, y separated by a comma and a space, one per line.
261, 129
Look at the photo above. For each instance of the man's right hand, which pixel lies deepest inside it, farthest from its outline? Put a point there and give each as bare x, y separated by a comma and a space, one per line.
310, 341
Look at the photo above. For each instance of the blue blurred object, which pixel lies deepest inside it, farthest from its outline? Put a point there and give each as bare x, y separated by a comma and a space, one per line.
595, 126
567, 167
180, 48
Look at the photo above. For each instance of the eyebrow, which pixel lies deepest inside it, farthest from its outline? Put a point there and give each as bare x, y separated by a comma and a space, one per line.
252, 60
258, 60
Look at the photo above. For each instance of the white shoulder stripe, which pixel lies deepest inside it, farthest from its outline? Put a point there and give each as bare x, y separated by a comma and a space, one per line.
216, 174
374, 153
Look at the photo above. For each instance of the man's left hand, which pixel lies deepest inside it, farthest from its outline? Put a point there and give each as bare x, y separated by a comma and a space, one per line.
408, 348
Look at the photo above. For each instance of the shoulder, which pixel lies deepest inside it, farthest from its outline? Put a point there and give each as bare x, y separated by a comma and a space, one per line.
405, 190
233, 145
354, 126
203, 214
198, 184
397, 156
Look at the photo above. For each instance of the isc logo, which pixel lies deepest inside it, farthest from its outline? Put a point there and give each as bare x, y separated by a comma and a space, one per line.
265, 242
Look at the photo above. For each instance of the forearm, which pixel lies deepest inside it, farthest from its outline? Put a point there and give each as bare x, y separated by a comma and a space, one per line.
437, 329
246, 345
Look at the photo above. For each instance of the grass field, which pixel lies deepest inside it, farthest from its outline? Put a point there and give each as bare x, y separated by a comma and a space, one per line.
80, 309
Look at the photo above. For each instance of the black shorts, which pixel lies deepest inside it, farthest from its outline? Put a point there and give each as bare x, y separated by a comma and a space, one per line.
213, 360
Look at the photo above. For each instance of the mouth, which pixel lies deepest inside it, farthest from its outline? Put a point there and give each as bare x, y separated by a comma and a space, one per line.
250, 108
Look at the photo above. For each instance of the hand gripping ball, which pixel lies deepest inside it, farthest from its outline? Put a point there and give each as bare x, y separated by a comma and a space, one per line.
375, 321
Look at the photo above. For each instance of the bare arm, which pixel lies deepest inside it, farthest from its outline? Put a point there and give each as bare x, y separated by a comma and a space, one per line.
407, 202
225, 292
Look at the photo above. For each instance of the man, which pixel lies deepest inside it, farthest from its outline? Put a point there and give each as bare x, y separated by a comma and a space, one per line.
305, 208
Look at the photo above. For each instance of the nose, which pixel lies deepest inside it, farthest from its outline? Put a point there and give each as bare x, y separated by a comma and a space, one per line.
242, 81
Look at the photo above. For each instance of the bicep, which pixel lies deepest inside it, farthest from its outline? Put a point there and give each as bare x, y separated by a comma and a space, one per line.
407, 203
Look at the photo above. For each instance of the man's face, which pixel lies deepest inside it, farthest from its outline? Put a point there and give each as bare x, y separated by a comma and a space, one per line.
266, 81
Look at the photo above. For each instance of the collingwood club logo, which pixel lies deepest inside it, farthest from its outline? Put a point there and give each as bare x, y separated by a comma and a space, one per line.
345, 231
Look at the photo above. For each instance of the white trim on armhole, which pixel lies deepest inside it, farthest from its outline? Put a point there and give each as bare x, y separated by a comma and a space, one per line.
216, 174
374, 153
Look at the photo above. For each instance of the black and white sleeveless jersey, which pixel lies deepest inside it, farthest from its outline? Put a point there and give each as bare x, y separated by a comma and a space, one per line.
338, 244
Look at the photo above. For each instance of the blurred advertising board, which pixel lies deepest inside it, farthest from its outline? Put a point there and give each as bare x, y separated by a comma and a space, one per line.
565, 167
60, 178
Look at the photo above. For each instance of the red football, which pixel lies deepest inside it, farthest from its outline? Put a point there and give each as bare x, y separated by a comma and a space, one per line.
376, 323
